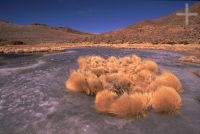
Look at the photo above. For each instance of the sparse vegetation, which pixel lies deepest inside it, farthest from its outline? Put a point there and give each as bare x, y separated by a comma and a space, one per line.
128, 106
60, 46
193, 59
104, 99
167, 79
126, 86
77, 82
166, 100
197, 73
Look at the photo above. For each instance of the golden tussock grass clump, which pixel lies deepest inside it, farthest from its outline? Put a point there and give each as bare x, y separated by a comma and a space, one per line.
168, 79
112, 59
104, 99
116, 82
94, 85
145, 98
128, 106
166, 100
124, 86
77, 82
140, 87
197, 73
83, 62
98, 71
193, 59
121, 83
146, 75
150, 65
124, 61
135, 59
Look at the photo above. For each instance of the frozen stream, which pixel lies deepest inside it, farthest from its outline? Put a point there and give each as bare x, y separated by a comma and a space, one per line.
33, 98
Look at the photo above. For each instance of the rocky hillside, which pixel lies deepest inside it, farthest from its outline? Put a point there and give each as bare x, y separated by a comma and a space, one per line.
36, 33
170, 29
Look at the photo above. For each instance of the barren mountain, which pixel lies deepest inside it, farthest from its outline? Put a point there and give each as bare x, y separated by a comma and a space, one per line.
170, 29
36, 33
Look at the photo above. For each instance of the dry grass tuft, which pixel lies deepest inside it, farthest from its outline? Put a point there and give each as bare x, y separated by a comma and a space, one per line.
168, 79
95, 85
193, 59
104, 99
146, 75
197, 73
125, 86
150, 65
166, 100
128, 106
77, 82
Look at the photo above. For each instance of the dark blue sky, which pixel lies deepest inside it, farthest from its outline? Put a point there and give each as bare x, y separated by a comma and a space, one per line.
87, 15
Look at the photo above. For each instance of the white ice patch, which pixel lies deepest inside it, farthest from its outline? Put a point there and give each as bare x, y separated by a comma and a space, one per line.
117, 122
49, 106
85, 128
69, 52
39, 115
8, 71
60, 53
48, 103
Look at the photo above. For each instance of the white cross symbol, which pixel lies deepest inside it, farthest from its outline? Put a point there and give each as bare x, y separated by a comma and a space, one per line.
186, 14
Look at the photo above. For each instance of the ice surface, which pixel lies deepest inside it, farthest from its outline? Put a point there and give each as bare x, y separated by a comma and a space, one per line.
33, 98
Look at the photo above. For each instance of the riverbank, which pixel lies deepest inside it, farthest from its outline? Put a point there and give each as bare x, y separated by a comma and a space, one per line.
192, 49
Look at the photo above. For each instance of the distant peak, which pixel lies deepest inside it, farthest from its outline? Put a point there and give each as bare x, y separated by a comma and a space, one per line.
39, 24
3, 21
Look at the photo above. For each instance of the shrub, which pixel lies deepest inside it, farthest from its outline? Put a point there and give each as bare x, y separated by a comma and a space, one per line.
127, 106
197, 73
83, 62
168, 79
126, 60
135, 59
170, 42
104, 99
145, 97
95, 85
77, 82
121, 83
152, 86
193, 59
140, 86
17, 42
166, 100
127, 86
150, 65
98, 71
146, 75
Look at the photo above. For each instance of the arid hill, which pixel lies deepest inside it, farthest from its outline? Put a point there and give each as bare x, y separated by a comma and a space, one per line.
36, 33
170, 29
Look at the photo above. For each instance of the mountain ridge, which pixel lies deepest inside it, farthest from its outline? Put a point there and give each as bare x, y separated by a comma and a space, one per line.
37, 33
168, 29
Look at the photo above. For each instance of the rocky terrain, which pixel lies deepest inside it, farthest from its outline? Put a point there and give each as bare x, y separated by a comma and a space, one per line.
36, 33
170, 29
